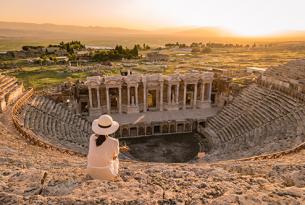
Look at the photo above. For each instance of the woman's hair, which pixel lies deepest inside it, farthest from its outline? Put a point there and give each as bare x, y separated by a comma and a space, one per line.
100, 140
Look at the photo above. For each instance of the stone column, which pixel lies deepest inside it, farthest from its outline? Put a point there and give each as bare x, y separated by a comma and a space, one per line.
195, 96
210, 91
184, 97
136, 95
90, 96
121, 132
169, 94
120, 99
128, 96
144, 94
177, 94
98, 97
161, 96
108, 100
202, 91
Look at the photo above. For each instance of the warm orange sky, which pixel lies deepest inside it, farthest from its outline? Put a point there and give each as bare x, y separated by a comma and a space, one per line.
245, 17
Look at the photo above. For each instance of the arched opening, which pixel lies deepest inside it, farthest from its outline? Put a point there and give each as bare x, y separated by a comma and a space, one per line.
114, 100
125, 132
165, 129
133, 131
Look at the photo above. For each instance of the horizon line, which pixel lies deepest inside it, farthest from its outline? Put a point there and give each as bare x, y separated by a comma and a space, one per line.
158, 29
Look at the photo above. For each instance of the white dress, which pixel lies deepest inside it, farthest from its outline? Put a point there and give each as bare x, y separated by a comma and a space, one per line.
101, 164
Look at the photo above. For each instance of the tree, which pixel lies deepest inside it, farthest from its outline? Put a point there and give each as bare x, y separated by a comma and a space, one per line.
70, 47
194, 45
195, 50
147, 47
72, 57
135, 51
206, 50
116, 54
119, 49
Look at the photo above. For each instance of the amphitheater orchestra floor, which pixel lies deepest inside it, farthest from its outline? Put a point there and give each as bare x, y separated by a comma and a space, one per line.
147, 117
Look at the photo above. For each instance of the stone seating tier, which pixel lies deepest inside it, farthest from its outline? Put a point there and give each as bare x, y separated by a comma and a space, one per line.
5, 87
55, 131
292, 70
59, 110
57, 124
266, 116
10, 90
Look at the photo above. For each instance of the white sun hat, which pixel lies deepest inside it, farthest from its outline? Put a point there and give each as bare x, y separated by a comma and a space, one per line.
104, 125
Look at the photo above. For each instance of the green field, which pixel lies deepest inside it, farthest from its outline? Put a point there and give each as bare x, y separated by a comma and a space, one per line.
180, 60
46, 76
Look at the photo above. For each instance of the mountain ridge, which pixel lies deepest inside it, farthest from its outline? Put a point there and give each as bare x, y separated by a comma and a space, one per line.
16, 34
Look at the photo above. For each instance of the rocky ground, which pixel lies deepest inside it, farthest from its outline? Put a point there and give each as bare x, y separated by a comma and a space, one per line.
33, 175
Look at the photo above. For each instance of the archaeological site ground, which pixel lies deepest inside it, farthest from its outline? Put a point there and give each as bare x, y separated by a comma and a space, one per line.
205, 123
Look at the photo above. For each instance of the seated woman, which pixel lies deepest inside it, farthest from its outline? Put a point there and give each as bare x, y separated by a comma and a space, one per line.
103, 162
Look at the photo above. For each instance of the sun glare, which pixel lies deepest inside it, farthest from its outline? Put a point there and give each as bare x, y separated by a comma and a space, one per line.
241, 17
254, 32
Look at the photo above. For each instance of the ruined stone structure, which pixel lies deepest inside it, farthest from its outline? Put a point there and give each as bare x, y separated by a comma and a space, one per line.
144, 93
260, 121
256, 118
156, 57
10, 90
125, 97
288, 78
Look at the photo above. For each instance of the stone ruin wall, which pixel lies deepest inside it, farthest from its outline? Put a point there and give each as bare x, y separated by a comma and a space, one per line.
136, 88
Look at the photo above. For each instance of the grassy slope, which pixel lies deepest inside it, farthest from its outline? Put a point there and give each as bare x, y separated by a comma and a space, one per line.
40, 77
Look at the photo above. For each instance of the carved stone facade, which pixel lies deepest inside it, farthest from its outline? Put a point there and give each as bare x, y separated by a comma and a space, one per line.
156, 128
142, 93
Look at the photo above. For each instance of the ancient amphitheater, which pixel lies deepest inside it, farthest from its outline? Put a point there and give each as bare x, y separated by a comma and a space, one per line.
254, 152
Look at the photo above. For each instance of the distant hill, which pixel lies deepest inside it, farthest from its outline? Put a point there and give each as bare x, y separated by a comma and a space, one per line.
294, 35
13, 35
52, 29
205, 32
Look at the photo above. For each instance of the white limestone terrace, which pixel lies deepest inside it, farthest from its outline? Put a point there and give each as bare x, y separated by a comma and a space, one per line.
178, 115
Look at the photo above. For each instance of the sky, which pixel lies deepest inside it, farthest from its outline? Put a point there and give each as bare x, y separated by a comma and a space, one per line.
242, 17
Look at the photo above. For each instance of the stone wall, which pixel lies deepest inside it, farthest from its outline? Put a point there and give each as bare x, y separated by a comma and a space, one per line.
156, 128
138, 88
